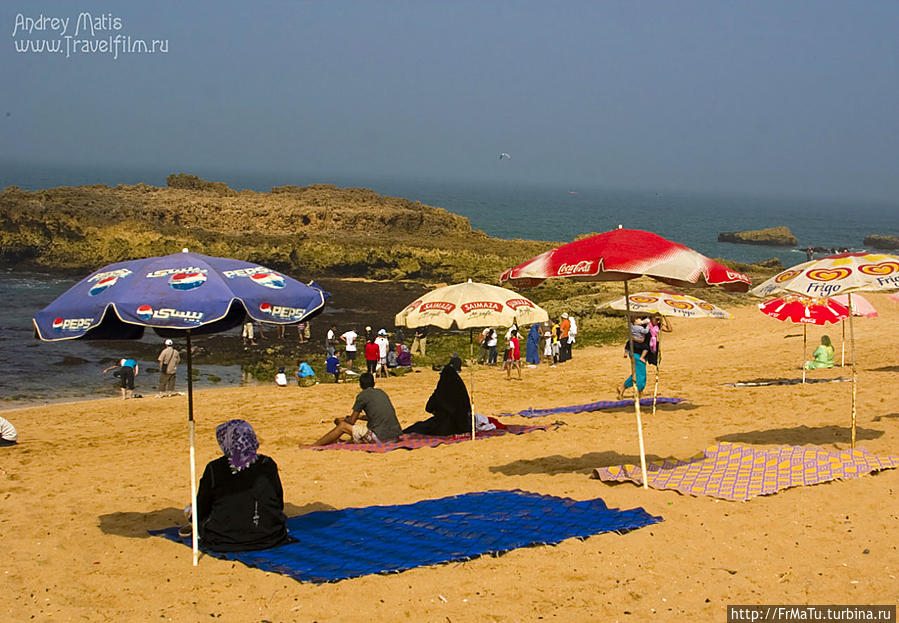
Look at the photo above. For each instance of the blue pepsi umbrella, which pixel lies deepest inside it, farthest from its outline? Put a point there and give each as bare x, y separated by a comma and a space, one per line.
176, 295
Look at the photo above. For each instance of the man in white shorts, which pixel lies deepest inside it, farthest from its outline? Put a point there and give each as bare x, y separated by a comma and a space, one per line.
373, 419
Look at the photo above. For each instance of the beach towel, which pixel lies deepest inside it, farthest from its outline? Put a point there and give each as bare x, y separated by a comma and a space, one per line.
734, 471
763, 382
592, 406
412, 441
390, 539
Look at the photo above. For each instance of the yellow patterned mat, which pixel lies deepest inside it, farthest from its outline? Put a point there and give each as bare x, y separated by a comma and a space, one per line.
735, 471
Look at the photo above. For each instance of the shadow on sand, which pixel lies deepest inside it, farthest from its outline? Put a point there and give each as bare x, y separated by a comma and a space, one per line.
557, 464
884, 369
136, 525
802, 435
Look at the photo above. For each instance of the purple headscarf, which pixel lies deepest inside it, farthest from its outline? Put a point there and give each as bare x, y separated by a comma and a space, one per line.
238, 442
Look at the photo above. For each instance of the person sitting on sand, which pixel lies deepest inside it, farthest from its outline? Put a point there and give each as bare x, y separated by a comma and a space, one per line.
450, 406
281, 378
823, 355
126, 370
403, 356
332, 366
373, 419
8, 434
639, 367
240, 502
306, 375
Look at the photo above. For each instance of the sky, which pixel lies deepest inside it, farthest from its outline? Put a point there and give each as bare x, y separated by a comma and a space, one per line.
771, 97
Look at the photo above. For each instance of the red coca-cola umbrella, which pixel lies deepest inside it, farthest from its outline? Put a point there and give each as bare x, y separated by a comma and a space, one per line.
621, 255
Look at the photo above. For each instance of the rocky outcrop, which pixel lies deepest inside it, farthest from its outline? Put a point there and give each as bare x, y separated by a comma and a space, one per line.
774, 236
879, 241
310, 231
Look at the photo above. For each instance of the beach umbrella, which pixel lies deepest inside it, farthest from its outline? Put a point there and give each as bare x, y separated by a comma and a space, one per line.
805, 311
844, 273
861, 307
176, 295
470, 305
621, 255
667, 304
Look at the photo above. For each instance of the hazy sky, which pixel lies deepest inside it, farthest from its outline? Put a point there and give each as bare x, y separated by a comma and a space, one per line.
767, 97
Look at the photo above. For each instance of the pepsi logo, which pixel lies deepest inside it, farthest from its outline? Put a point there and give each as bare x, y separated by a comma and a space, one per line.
72, 324
187, 280
102, 285
144, 312
265, 308
269, 280
282, 312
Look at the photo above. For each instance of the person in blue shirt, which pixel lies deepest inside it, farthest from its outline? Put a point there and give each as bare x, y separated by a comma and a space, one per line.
125, 370
332, 366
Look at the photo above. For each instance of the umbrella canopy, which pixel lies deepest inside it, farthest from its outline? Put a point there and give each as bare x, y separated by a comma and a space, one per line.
470, 305
669, 304
804, 310
175, 295
623, 254
837, 274
620, 255
860, 305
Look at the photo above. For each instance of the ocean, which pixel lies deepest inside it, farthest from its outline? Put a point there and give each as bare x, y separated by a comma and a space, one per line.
37, 372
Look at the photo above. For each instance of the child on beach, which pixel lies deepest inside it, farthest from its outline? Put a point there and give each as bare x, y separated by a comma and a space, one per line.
281, 378
8, 434
332, 366
126, 371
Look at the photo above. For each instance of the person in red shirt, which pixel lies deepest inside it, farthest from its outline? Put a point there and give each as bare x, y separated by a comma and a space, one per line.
513, 356
372, 355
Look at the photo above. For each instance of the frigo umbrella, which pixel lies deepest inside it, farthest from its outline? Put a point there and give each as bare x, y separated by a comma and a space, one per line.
470, 305
176, 295
844, 273
622, 255
668, 304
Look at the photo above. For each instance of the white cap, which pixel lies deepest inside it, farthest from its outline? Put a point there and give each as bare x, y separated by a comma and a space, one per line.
169, 342
382, 332
564, 314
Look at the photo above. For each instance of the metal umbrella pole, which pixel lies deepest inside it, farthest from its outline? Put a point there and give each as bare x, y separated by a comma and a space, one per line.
854, 380
193, 458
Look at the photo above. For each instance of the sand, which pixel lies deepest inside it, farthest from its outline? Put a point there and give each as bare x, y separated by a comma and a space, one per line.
88, 479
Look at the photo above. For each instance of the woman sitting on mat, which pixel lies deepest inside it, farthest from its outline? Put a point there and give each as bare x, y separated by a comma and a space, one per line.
823, 355
450, 406
240, 503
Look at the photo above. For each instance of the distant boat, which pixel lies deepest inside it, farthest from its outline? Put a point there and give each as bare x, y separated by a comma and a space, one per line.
572, 192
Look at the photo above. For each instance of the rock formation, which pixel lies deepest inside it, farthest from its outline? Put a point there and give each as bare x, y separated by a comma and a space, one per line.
774, 236
880, 241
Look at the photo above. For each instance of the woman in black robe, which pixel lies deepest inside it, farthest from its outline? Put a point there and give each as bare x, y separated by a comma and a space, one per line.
450, 406
240, 502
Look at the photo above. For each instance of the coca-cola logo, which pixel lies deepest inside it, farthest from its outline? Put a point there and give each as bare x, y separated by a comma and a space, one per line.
584, 267
516, 303
438, 305
486, 305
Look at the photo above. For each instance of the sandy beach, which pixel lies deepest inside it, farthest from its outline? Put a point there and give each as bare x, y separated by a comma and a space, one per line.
88, 479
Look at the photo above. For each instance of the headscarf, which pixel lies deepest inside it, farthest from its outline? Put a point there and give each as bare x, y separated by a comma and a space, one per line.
238, 442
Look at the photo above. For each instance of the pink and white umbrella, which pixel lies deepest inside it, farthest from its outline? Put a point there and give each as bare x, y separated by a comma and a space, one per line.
621, 255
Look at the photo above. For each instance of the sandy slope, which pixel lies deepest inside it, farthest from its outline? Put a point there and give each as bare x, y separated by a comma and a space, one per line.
88, 479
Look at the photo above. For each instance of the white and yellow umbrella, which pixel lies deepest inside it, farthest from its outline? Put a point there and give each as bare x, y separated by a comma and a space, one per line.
845, 273
470, 305
669, 304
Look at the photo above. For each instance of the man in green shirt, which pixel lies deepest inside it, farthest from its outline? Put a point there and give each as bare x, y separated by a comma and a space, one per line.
373, 419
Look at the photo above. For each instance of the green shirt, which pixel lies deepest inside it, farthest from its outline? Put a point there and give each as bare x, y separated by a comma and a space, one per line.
379, 412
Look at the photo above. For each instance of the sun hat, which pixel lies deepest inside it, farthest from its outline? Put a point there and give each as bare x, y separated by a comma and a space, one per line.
382, 332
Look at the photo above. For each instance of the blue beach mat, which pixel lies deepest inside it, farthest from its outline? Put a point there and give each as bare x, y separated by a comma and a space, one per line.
351, 542
593, 406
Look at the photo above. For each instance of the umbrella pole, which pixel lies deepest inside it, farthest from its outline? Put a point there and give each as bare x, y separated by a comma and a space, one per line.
655, 390
630, 339
804, 348
854, 381
843, 344
193, 454
471, 369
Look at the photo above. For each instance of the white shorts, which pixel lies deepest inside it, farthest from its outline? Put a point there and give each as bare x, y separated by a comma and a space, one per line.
361, 434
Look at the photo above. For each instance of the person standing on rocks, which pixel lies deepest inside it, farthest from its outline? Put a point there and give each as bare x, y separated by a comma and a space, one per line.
168, 361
